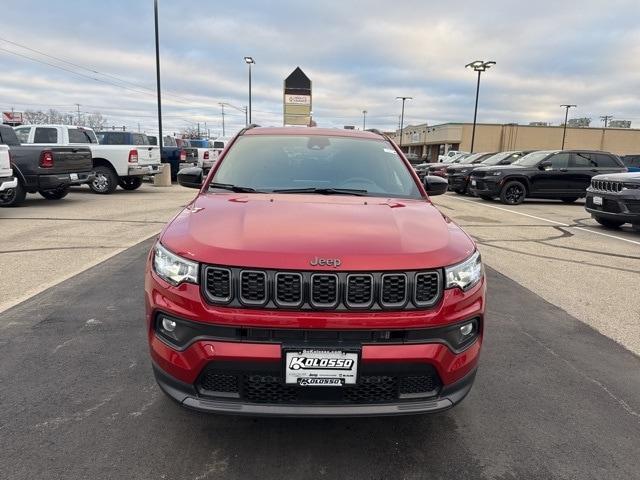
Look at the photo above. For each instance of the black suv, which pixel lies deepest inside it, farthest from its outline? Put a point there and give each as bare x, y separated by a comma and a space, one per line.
459, 175
559, 174
613, 200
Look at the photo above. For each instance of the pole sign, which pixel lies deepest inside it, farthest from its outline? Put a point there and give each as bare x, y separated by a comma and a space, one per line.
297, 99
12, 118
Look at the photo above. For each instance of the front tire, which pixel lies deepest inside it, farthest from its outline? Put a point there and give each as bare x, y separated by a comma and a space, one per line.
55, 194
513, 193
130, 183
13, 196
105, 181
606, 223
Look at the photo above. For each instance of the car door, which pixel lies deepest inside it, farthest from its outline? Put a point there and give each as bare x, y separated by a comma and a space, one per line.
583, 166
551, 175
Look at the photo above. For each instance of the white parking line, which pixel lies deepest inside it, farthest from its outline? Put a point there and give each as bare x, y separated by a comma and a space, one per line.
546, 220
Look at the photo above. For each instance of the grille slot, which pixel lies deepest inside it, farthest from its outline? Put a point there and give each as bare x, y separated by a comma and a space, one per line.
426, 288
288, 289
212, 383
393, 290
359, 290
423, 385
324, 290
253, 287
606, 185
219, 284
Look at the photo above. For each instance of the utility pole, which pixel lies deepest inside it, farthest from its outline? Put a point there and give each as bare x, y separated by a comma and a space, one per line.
78, 105
566, 117
402, 117
222, 105
155, 11
364, 119
138, 127
605, 119
198, 129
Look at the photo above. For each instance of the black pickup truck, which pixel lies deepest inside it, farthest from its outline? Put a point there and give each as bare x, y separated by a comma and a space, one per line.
43, 169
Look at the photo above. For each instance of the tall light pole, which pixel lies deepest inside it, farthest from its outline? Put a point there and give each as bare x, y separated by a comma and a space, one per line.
402, 117
477, 66
155, 11
249, 61
566, 117
364, 119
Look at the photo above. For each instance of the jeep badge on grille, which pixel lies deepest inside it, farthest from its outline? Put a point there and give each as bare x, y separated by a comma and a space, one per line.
326, 262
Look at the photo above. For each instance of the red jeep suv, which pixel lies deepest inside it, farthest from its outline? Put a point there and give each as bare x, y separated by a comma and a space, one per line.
312, 275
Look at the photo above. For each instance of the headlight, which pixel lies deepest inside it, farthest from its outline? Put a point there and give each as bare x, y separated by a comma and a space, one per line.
466, 274
172, 268
494, 174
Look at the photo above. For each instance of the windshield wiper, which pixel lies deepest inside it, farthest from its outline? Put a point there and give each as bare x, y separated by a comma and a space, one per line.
324, 191
234, 188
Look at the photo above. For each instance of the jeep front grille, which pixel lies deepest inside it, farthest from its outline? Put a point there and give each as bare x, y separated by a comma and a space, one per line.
606, 185
306, 290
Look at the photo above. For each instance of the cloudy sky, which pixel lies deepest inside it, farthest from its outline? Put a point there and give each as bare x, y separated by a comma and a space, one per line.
360, 55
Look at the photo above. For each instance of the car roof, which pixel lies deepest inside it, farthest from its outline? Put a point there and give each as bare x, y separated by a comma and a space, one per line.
314, 131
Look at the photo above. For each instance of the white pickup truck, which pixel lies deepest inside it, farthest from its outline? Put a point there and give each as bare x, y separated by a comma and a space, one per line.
114, 165
7, 181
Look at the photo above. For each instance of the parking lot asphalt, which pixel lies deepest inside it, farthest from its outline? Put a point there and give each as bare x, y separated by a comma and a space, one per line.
553, 399
560, 253
44, 241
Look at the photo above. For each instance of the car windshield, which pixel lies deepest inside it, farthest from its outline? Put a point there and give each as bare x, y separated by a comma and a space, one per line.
532, 159
497, 158
471, 158
281, 162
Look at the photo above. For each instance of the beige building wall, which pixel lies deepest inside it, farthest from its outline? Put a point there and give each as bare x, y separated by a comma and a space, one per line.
496, 137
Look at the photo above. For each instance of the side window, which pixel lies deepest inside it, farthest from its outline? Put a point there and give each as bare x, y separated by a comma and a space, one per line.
23, 134
605, 161
584, 160
559, 160
140, 139
45, 135
78, 135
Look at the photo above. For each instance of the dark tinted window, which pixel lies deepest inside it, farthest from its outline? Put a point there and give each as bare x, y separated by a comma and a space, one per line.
140, 139
286, 161
170, 142
45, 135
584, 160
23, 134
606, 161
113, 138
218, 145
559, 160
8, 136
80, 135
152, 140
631, 160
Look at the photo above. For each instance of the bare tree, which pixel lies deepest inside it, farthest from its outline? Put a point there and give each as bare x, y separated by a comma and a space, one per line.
93, 120
189, 132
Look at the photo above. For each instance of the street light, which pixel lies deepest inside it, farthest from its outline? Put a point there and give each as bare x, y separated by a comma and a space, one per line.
155, 14
566, 116
249, 61
364, 119
402, 117
477, 66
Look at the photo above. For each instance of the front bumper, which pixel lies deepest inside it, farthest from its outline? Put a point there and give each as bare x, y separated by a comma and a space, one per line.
180, 371
7, 183
622, 207
138, 170
485, 186
458, 181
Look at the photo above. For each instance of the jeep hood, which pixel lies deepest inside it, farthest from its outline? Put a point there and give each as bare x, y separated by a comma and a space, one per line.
488, 168
287, 231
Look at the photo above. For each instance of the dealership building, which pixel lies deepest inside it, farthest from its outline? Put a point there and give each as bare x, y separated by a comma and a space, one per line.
429, 141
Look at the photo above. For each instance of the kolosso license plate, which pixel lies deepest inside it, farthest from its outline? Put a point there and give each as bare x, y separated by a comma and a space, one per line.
597, 200
321, 368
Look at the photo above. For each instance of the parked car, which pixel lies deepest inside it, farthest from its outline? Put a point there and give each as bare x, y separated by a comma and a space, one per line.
458, 175
347, 308
114, 164
632, 162
172, 154
413, 158
191, 151
439, 169
614, 199
7, 181
450, 154
219, 144
205, 153
48, 170
556, 174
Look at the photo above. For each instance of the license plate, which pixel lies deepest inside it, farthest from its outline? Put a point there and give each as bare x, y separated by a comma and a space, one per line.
597, 201
321, 368
73, 176
473, 183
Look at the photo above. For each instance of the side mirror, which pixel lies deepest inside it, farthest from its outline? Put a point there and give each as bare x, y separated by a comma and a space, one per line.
190, 177
435, 185
545, 166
